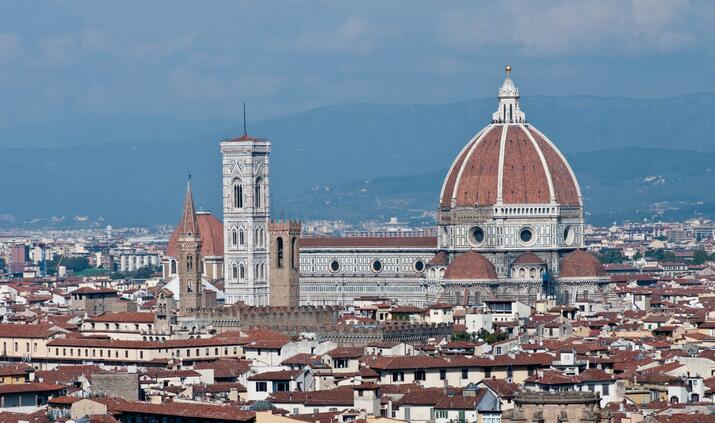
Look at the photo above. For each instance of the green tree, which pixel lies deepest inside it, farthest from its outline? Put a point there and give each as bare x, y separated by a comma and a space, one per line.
462, 336
661, 254
492, 337
700, 257
141, 273
610, 255
75, 264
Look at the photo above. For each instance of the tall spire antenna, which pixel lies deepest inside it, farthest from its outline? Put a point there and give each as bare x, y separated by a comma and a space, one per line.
244, 119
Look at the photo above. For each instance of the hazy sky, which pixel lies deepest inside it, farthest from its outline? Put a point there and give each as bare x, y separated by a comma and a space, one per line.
75, 59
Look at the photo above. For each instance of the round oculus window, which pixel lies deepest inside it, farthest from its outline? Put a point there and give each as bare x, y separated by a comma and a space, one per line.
419, 265
526, 236
476, 235
376, 266
334, 266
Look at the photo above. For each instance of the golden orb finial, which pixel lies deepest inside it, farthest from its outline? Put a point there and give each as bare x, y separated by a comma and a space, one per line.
507, 69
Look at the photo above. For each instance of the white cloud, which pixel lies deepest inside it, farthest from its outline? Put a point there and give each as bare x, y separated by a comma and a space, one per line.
569, 27
353, 35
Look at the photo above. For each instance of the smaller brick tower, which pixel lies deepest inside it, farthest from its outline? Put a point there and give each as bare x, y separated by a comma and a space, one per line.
284, 263
189, 258
164, 317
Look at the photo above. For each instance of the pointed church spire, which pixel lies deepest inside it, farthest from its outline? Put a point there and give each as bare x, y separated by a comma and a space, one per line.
189, 225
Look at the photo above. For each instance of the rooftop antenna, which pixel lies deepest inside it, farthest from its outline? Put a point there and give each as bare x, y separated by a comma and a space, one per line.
244, 119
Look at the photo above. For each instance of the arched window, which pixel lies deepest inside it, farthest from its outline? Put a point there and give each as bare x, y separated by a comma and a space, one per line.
234, 271
257, 192
172, 266
237, 195
258, 271
234, 237
263, 271
189, 286
522, 273
532, 273
201, 266
241, 238
294, 253
241, 271
263, 237
189, 263
279, 251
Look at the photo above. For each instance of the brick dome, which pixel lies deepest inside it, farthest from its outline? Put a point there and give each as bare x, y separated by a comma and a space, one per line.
509, 164
581, 264
470, 265
439, 259
211, 231
528, 258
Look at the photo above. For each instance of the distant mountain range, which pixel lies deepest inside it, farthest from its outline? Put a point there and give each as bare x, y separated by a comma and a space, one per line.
634, 158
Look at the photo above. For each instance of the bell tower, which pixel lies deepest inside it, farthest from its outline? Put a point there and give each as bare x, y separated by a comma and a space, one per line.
189, 257
285, 263
246, 212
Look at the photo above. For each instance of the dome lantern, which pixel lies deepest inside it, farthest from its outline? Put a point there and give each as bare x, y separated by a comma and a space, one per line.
508, 110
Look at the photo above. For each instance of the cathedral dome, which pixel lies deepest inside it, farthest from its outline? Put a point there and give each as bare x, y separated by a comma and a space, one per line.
509, 162
211, 232
469, 266
581, 264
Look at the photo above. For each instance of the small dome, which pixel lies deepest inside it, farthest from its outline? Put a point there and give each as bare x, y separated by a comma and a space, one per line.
581, 264
470, 265
528, 258
211, 232
439, 259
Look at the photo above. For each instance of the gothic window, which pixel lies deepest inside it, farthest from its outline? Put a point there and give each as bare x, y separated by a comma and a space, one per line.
237, 195
241, 240
241, 271
189, 286
522, 273
257, 200
201, 266
532, 273
258, 269
189, 263
234, 237
279, 251
172, 267
293, 253
263, 238
234, 271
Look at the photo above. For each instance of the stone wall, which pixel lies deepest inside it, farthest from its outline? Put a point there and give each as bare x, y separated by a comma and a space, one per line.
121, 385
